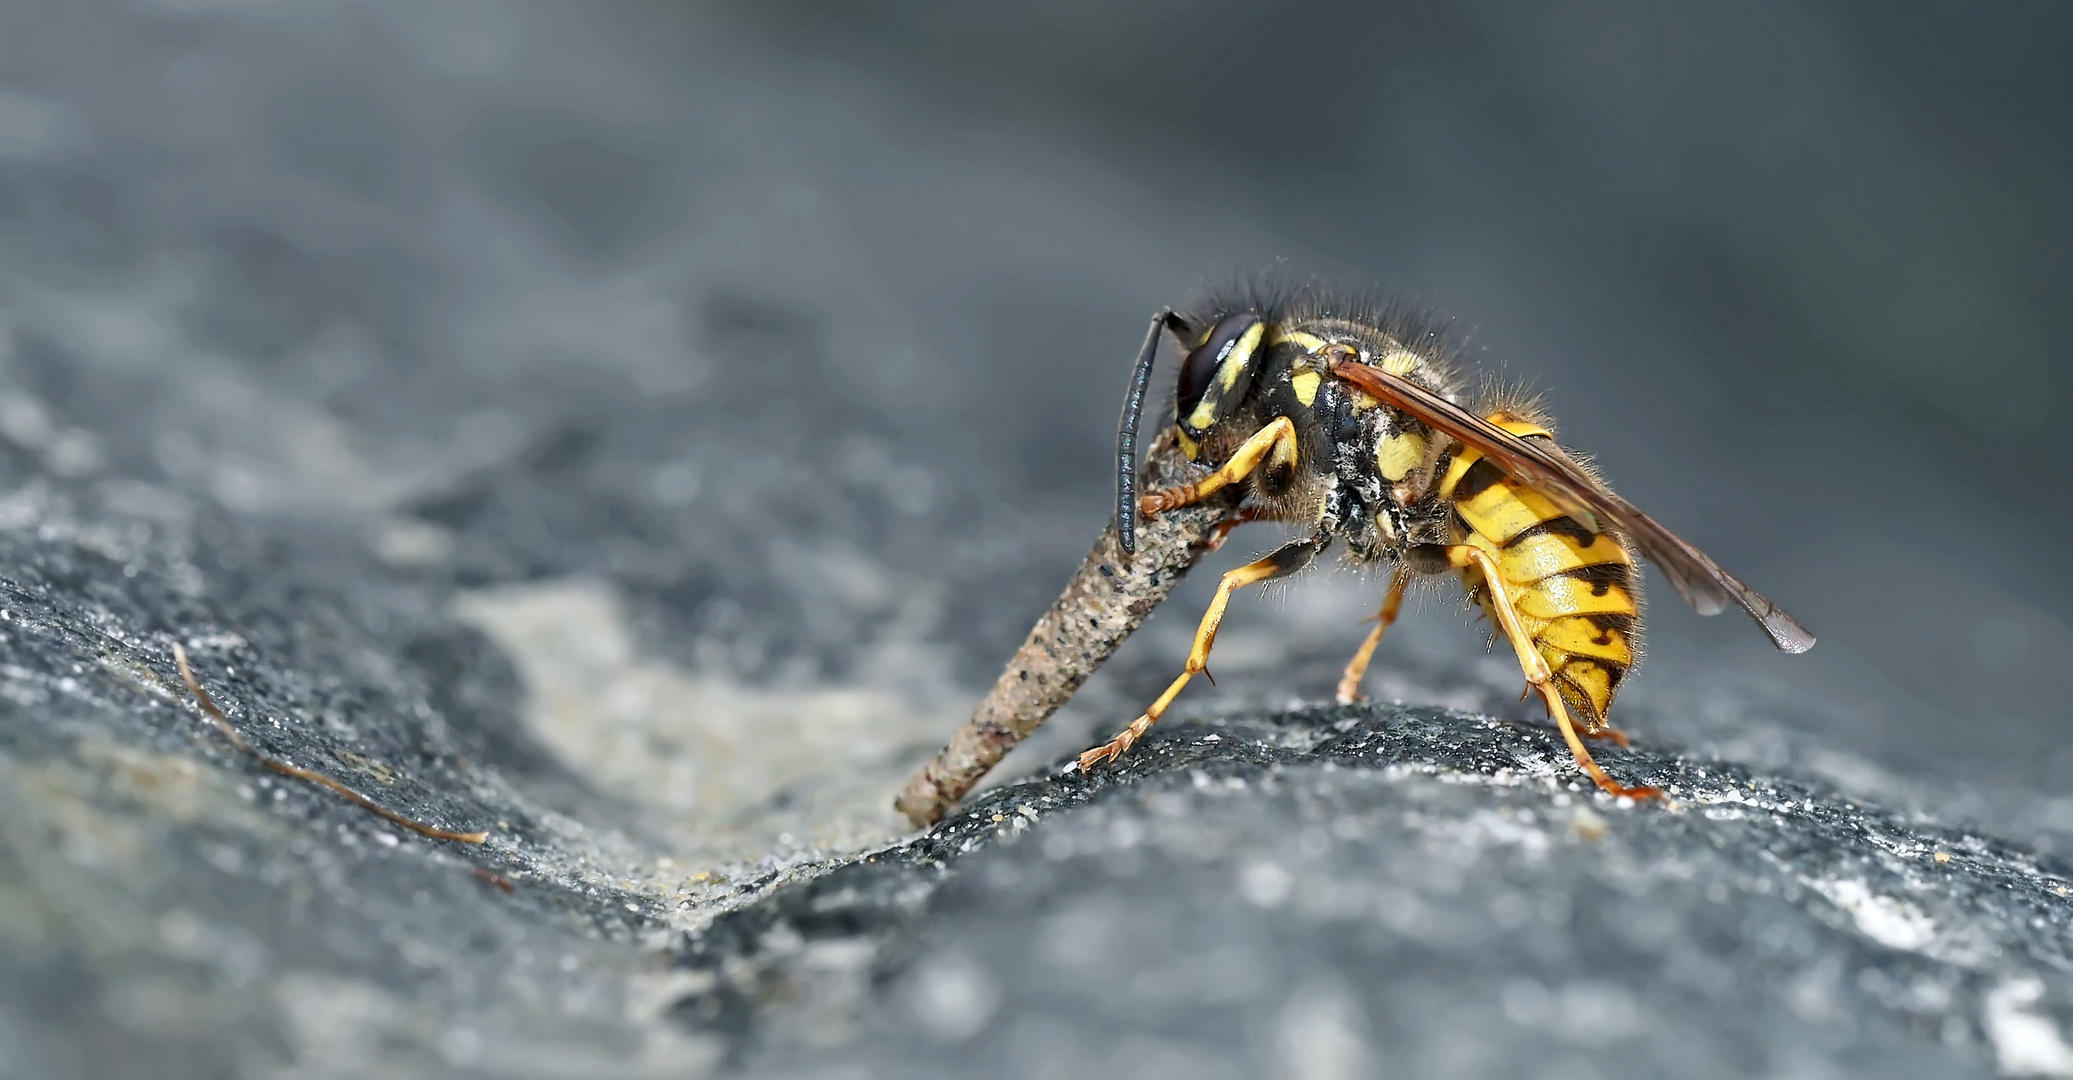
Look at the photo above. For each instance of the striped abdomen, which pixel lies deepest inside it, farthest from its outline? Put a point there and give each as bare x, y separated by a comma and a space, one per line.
1575, 591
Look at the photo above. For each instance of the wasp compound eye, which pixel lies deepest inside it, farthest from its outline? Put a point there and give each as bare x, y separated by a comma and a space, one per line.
1223, 364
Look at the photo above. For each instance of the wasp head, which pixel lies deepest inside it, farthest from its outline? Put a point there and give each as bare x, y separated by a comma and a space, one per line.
1216, 375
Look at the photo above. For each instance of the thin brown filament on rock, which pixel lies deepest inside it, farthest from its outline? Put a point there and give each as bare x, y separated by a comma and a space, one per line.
223, 724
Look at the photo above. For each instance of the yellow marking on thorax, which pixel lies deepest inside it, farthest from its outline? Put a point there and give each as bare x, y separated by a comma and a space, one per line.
1398, 454
1189, 446
1309, 342
1305, 384
1400, 362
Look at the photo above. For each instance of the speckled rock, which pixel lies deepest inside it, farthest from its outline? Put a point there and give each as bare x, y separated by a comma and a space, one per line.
1388, 891
641, 432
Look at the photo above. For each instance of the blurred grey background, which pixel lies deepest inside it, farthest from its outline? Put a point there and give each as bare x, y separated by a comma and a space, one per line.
804, 326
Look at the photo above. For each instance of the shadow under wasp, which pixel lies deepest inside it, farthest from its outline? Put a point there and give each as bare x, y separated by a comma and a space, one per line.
1347, 419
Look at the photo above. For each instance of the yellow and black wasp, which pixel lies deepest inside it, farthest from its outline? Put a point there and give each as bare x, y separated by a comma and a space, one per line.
1347, 419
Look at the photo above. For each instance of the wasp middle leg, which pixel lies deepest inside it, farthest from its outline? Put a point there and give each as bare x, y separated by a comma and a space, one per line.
1245, 515
1357, 668
1282, 561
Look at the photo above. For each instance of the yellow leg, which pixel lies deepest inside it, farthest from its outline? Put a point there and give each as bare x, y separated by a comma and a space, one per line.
1356, 668
1463, 556
1277, 439
1287, 559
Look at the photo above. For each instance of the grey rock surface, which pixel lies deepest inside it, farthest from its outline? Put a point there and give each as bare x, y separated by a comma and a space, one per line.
1356, 891
642, 434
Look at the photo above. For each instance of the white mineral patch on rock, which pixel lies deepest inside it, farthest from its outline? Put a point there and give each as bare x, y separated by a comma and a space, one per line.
1890, 922
735, 770
2025, 1043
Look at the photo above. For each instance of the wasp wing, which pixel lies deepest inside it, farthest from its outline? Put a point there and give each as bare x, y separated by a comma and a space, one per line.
1700, 580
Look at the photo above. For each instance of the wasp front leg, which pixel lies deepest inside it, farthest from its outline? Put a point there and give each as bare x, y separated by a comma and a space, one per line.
1274, 444
1285, 560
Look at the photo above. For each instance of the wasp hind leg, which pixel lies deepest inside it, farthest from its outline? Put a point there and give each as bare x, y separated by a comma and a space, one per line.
1282, 561
1357, 668
1538, 677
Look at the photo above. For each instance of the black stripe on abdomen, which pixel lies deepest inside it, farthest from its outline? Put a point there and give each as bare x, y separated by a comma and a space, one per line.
1479, 478
1603, 577
1558, 526
1608, 623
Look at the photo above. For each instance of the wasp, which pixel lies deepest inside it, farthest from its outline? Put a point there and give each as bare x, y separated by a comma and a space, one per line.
1348, 419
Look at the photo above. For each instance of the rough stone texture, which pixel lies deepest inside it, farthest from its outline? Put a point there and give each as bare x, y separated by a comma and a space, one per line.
173, 909
1389, 891
644, 440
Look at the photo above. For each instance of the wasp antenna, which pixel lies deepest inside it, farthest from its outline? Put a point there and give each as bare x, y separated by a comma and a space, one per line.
1126, 436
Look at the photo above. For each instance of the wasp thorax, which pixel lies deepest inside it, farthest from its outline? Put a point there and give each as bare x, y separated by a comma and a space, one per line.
1217, 372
